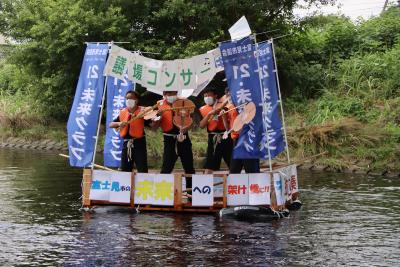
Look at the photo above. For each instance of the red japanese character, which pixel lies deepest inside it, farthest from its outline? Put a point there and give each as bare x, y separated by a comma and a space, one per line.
242, 188
232, 190
293, 182
255, 188
264, 189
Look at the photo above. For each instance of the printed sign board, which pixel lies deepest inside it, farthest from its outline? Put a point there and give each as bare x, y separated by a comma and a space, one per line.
154, 189
259, 186
238, 192
202, 193
114, 187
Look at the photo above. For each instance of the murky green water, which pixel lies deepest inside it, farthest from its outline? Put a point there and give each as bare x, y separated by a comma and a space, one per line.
345, 220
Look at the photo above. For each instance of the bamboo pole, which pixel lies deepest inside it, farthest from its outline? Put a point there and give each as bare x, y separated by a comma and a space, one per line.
264, 107
99, 123
95, 165
280, 100
303, 160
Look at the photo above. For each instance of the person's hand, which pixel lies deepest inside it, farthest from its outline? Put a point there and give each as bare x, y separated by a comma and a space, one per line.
156, 118
123, 124
212, 112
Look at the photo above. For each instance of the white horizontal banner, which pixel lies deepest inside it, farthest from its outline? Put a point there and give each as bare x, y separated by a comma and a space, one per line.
187, 76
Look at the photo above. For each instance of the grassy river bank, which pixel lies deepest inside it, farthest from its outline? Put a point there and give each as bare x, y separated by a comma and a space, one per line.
348, 143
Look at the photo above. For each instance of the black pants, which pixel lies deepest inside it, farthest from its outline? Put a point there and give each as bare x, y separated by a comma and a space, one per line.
138, 156
174, 149
250, 165
222, 150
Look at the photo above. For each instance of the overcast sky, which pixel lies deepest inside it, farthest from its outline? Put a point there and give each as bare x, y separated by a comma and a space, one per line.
350, 8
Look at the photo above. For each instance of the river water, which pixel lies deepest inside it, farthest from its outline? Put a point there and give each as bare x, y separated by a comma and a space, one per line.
346, 220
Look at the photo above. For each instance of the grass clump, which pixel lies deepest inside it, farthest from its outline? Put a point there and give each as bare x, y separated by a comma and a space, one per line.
18, 112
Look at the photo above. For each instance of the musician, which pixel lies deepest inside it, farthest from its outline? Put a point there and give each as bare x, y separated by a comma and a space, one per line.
236, 165
216, 124
134, 151
172, 147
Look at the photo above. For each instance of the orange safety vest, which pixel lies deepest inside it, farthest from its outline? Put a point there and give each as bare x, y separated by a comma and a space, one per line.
166, 121
136, 127
213, 125
232, 116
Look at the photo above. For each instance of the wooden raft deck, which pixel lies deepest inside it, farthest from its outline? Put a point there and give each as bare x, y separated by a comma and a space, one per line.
178, 206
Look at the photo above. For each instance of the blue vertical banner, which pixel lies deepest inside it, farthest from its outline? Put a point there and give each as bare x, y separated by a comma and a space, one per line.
116, 91
84, 115
275, 139
242, 73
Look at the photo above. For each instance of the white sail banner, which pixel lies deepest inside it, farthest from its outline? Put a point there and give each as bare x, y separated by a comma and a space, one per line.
187, 76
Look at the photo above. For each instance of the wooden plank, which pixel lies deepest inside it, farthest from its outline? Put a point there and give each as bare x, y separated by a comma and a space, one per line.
191, 210
224, 197
273, 194
178, 191
219, 173
86, 185
133, 189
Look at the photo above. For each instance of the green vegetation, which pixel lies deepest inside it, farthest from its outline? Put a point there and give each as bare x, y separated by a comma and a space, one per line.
340, 80
354, 112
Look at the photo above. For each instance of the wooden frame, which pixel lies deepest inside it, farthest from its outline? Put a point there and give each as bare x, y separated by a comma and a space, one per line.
179, 205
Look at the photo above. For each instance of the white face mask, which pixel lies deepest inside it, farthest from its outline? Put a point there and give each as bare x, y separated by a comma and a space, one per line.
209, 100
171, 98
130, 103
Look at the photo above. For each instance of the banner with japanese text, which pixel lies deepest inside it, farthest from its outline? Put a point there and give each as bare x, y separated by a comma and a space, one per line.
275, 142
116, 91
241, 72
83, 118
187, 76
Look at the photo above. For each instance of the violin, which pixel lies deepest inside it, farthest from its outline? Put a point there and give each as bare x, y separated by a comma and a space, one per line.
245, 117
182, 110
219, 105
142, 114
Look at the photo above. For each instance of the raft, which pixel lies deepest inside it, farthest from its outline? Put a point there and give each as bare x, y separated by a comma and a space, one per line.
269, 194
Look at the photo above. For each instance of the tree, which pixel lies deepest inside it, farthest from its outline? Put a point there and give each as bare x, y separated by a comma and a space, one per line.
51, 34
